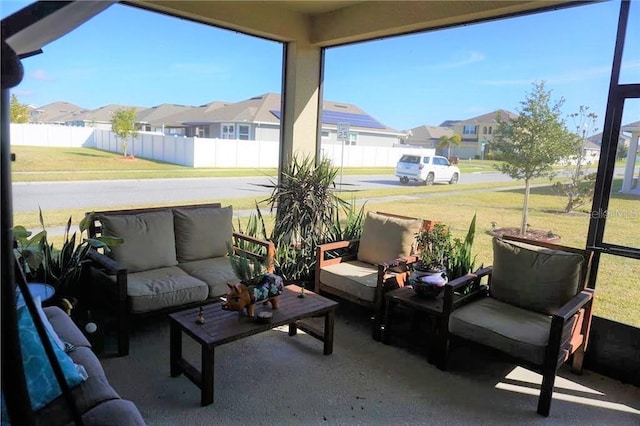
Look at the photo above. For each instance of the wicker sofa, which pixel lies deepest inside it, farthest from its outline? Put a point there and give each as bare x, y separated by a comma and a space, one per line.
172, 258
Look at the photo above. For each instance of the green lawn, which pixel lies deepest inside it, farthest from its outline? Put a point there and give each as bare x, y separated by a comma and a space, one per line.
618, 285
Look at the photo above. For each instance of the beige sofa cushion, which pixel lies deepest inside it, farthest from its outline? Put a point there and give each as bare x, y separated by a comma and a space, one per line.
216, 272
356, 278
163, 288
385, 238
533, 277
148, 239
202, 233
518, 332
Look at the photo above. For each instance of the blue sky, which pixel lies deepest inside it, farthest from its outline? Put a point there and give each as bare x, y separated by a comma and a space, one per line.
134, 57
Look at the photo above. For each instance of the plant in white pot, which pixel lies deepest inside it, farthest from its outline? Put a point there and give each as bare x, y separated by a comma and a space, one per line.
430, 271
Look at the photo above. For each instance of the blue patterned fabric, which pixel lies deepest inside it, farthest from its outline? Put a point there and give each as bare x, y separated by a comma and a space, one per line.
41, 381
271, 286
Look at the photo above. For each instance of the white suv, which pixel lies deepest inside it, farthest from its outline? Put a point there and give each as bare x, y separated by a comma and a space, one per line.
426, 169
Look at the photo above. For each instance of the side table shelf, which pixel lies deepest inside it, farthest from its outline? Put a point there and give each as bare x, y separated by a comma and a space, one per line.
432, 307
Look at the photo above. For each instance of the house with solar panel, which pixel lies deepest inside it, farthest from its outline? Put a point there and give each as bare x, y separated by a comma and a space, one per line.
258, 118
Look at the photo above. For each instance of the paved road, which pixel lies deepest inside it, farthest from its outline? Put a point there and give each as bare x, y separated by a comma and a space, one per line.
28, 196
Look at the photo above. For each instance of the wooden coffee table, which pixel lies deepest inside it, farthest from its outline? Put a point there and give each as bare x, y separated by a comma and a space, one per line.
222, 327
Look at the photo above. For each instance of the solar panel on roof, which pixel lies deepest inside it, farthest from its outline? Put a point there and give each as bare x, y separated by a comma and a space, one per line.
335, 117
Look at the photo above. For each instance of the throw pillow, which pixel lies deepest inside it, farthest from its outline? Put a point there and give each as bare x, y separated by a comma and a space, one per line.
533, 277
41, 381
202, 233
386, 238
149, 241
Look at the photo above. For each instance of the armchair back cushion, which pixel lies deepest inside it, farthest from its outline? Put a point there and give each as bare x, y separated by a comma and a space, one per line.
386, 238
149, 240
534, 278
202, 233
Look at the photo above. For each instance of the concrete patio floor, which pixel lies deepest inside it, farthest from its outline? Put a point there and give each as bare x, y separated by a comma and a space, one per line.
274, 379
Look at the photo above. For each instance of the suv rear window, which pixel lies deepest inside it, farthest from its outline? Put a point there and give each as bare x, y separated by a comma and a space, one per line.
415, 159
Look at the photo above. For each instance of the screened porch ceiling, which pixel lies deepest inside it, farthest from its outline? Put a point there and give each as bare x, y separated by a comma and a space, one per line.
332, 23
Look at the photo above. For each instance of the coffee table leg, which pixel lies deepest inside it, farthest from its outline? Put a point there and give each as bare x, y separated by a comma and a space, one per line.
329, 320
293, 329
175, 349
206, 391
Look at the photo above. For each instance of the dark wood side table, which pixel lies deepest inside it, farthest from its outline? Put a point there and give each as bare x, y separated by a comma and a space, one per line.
433, 307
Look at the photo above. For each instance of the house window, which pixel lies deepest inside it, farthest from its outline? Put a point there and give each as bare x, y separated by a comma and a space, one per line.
243, 132
489, 130
469, 130
484, 130
325, 134
353, 138
228, 131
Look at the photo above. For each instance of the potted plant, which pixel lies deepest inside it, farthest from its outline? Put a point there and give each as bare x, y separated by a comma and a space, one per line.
61, 268
306, 203
430, 271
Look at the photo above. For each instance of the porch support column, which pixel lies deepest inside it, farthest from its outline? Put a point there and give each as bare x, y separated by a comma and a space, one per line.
627, 183
301, 102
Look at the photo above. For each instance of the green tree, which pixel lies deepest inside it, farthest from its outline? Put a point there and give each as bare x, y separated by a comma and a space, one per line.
123, 125
533, 142
19, 112
447, 141
579, 189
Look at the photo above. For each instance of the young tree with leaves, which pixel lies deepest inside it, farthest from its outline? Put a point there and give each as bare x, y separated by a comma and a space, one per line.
533, 142
123, 124
19, 112
447, 141
579, 189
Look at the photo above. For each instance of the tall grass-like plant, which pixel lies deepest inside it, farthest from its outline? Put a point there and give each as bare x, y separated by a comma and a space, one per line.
461, 261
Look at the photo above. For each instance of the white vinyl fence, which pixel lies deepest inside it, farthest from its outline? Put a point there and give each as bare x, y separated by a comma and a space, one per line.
199, 152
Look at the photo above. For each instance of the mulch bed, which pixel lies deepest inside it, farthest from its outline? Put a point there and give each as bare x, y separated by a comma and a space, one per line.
532, 234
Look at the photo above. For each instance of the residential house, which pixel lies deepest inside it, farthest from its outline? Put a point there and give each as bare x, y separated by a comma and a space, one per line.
55, 113
154, 119
428, 137
258, 118
99, 118
476, 132
191, 122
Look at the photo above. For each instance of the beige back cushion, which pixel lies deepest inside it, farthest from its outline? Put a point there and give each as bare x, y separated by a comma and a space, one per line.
202, 233
149, 241
385, 238
534, 278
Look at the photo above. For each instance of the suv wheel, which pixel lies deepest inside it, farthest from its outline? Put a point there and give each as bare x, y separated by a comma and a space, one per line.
404, 180
429, 180
454, 179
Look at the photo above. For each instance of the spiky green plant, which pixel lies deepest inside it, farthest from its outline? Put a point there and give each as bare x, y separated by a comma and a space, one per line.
249, 270
61, 268
461, 261
305, 202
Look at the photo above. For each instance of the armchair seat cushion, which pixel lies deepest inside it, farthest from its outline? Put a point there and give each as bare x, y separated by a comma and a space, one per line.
216, 272
162, 288
355, 278
508, 328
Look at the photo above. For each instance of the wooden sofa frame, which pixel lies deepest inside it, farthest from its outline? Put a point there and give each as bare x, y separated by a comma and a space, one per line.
391, 275
106, 265
566, 338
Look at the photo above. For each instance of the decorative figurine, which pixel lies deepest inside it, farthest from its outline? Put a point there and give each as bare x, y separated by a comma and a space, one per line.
301, 295
241, 296
200, 318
